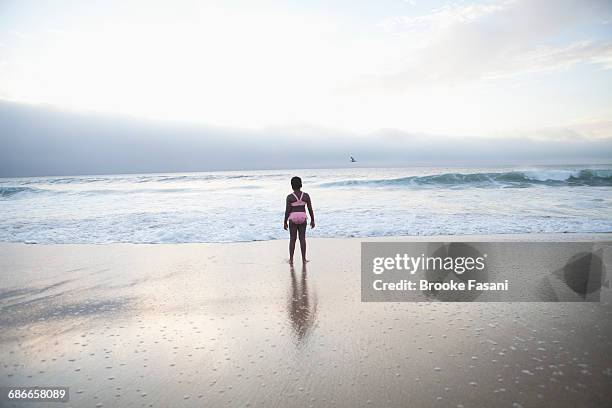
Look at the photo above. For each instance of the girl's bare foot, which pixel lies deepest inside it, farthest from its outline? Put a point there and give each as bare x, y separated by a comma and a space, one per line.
290, 261
305, 260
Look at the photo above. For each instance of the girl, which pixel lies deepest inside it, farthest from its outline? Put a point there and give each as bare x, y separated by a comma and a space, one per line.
295, 217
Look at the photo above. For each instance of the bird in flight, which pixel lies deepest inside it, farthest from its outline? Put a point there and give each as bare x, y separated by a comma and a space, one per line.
353, 160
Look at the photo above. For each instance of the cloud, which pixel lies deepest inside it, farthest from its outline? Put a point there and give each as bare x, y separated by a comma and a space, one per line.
459, 42
443, 17
548, 58
592, 129
36, 140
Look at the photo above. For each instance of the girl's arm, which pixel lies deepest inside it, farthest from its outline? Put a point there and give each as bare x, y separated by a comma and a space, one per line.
287, 211
310, 211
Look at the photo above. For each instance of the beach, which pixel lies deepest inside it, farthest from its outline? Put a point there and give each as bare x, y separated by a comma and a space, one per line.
232, 324
164, 165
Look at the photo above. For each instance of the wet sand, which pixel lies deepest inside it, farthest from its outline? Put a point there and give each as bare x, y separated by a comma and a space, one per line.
217, 325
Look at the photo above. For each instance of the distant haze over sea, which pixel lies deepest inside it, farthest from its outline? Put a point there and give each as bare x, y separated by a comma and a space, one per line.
41, 141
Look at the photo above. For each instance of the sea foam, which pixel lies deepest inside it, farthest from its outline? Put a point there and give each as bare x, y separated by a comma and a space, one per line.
249, 206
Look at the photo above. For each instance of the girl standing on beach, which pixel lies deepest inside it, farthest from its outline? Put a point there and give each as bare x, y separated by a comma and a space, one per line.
295, 217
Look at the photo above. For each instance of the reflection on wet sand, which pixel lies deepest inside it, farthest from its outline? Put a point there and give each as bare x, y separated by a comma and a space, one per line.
302, 306
229, 325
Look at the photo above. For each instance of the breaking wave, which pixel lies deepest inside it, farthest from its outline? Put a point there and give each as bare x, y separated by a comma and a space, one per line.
11, 191
516, 179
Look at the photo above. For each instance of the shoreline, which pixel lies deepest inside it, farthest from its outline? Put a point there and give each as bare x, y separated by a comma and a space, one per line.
518, 237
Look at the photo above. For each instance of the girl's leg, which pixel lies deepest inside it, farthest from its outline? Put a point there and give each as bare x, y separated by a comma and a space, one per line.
293, 230
302, 234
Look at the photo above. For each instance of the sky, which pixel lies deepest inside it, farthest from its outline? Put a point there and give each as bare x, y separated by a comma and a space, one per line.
489, 70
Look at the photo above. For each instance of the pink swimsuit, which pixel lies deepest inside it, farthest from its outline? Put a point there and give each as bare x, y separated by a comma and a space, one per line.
298, 217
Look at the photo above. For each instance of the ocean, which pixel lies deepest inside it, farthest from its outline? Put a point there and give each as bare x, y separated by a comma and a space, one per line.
357, 202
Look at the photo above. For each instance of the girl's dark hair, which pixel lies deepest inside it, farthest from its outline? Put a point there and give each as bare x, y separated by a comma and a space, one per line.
296, 183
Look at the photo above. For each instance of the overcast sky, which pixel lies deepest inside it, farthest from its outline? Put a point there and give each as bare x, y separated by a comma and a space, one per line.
350, 70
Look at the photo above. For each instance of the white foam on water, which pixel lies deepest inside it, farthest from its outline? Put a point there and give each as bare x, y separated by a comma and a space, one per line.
249, 206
